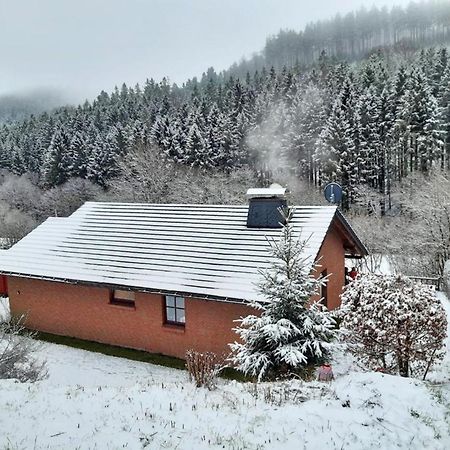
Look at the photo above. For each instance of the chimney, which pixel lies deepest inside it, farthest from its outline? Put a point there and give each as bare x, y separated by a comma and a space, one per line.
264, 207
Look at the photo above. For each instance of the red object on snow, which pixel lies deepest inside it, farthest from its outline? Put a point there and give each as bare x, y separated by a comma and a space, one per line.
325, 373
353, 274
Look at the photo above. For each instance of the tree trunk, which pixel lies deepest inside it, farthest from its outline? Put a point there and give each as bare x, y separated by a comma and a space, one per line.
403, 367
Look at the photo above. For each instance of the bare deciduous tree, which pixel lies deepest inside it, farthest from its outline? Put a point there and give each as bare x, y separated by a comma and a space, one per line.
416, 240
146, 176
63, 200
14, 225
428, 232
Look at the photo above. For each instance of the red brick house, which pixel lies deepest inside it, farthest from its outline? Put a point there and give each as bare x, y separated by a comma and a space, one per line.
163, 278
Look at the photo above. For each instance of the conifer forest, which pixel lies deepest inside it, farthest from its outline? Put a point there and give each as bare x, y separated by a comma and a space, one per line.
363, 100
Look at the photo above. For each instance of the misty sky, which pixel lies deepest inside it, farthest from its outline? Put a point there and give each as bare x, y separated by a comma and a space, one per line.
83, 46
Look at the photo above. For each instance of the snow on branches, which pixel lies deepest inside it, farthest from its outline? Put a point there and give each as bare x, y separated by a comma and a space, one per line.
289, 333
394, 324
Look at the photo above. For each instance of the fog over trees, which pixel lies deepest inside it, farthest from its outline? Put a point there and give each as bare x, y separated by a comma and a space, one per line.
355, 34
15, 107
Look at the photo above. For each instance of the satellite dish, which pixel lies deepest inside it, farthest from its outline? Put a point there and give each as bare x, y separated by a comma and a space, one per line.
333, 193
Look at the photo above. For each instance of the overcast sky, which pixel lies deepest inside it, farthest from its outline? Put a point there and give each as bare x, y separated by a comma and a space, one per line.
83, 46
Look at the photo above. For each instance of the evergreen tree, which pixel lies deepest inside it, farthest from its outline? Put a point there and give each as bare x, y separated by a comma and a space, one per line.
306, 119
336, 153
77, 160
55, 161
289, 333
444, 117
378, 120
370, 163
196, 149
419, 111
102, 162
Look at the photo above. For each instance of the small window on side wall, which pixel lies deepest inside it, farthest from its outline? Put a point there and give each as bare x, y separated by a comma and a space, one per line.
122, 298
174, 310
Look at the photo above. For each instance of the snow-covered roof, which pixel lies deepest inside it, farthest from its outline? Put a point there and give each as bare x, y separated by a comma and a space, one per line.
198, 250
273, 191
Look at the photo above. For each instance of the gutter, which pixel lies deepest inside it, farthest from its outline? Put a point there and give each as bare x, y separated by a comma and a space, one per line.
215, 298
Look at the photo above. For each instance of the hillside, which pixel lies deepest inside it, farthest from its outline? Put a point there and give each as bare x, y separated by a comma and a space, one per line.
367, 125
379, 126
354, 36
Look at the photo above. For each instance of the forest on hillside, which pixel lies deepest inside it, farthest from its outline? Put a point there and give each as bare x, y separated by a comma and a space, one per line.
366, 126
354, 35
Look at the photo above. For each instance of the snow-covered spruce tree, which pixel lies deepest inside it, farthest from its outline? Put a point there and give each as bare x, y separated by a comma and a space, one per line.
289, 333
394, 324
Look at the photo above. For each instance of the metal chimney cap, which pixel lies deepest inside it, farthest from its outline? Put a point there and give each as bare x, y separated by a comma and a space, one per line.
274, 191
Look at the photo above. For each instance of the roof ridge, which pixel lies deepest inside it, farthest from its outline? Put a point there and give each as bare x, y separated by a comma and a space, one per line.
195, 205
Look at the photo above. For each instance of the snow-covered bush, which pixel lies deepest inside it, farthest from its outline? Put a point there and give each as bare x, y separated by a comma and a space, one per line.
289, 333
203, 368
16, 352
393, 324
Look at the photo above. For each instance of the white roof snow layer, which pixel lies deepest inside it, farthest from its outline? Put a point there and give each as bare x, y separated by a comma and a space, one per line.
198, 250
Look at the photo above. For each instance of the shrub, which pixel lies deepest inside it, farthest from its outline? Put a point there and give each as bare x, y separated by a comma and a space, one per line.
203, 368
16, 352
393, 324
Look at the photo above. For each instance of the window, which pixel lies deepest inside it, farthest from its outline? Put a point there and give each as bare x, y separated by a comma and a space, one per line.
174, 309
122, 298
323, 288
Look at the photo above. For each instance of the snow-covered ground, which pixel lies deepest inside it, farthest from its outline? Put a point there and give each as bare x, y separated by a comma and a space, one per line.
4, 309
91, 401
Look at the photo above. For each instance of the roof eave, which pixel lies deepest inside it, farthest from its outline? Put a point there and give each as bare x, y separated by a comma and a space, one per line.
216, 298
361, 249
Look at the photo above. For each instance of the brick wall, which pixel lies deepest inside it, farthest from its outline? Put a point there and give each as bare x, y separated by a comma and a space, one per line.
85, 312
332, 259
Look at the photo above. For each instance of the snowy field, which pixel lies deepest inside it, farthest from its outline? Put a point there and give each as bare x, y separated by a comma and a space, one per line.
91, 401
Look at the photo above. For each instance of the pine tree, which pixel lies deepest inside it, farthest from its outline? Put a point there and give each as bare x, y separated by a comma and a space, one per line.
389, 122
102, 163
196, 149
419, 111
289, 333
306, 119
336, 153
444, 117
55, 162
371, 162
77, 156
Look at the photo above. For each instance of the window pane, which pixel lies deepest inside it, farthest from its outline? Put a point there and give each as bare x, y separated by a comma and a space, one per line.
170, 315
180, 302
124, 295
170, 300
180, 316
